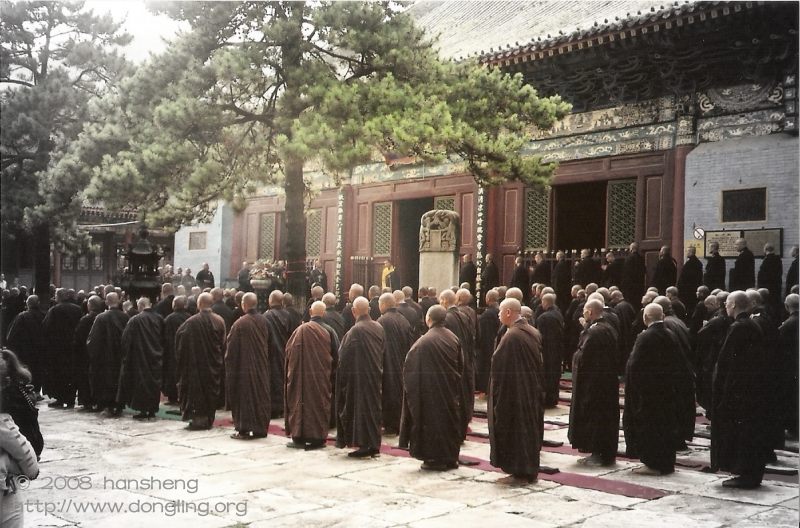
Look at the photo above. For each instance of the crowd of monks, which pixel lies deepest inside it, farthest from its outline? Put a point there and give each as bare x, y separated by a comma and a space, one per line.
387, 364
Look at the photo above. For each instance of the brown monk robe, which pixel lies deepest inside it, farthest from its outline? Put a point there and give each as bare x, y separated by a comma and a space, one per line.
247, 372
358, 384
516, 396
310, 355
399, 336
199, 352
431, 424
459, 323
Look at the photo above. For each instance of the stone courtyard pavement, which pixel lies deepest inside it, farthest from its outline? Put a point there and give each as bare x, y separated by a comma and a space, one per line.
101, 472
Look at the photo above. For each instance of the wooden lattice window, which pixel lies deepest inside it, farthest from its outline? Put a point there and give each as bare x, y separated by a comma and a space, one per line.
537, 200
621, 218
313, 232
447, 203
266, 236
382, 229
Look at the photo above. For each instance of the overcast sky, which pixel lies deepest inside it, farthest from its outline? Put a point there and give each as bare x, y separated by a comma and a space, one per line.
148, 30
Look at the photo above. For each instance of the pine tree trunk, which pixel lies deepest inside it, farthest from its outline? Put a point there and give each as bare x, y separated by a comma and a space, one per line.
41, 263
295, 231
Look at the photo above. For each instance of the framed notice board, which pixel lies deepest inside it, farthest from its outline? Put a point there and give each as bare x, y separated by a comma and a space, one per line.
756, 238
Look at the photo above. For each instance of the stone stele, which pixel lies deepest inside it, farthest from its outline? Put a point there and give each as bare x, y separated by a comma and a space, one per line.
438, 249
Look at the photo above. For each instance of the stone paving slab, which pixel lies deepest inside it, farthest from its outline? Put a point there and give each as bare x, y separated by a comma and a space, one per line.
279, 486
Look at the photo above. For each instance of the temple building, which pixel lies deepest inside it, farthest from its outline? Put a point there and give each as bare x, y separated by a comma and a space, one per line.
683, 130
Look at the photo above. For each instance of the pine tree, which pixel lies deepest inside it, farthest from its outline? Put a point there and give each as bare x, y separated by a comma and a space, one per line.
55, 58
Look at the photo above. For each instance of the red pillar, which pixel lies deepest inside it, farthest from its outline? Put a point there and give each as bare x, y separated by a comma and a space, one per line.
678, 190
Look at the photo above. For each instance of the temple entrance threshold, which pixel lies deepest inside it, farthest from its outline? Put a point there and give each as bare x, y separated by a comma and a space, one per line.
406, 254
580, 215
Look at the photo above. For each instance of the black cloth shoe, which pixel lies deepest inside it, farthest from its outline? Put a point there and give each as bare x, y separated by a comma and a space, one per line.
740, 483
363, 452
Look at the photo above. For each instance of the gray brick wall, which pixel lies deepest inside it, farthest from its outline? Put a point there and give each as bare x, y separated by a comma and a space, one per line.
766, 161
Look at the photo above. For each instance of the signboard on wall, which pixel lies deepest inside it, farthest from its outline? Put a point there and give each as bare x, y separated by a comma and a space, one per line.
756, 238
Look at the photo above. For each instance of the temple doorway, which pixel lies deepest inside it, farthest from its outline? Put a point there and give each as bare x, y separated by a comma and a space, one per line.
580, 215
406, 254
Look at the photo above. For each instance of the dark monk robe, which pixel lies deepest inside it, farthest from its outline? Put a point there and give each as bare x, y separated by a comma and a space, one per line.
399, 337
279, 324
740, 441
309, 366
651, 416
458, 322
334, 319
140, 372
633, 279
169, 384
708, 344
594, 412
432, 422
199, 352
59, 329
413, 317
104, 350
247, 374
26, 339
81, 359
516, 394
551, 325
358, 386
488, 324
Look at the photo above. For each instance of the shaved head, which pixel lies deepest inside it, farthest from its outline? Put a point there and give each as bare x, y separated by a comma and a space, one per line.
435, 315
447, 298
514, 293
317, 309
399, 296
386, 301
276, 299
329, 299
178, 303
360, 307
112, 299
593, 310
492, 296
652, 313
356, 290
204, 301
463, 297
249, 301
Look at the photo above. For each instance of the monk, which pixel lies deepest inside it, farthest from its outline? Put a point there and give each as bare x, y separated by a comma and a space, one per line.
594, 412
169, 380
247, 372
199, 352
331, 317
488, 324
279, 322
59, 329
399, 337
515, 398
310, 361
358, 383
104, 352
459, 323
652, 398
140, 371
551, 325
95, 306
432, 423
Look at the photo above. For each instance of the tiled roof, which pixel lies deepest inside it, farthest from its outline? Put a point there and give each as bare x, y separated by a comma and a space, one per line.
499, 31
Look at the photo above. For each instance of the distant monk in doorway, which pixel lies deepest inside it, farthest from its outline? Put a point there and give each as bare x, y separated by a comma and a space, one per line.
311, 354
666, 271
490, 275
247, 372
358, 382
515, 407
199, 351
714, 276
432, 425
690, 279
468, 273
634, 276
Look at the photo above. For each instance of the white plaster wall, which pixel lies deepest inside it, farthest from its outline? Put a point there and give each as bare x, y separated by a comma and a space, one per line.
218, 245
766, 161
